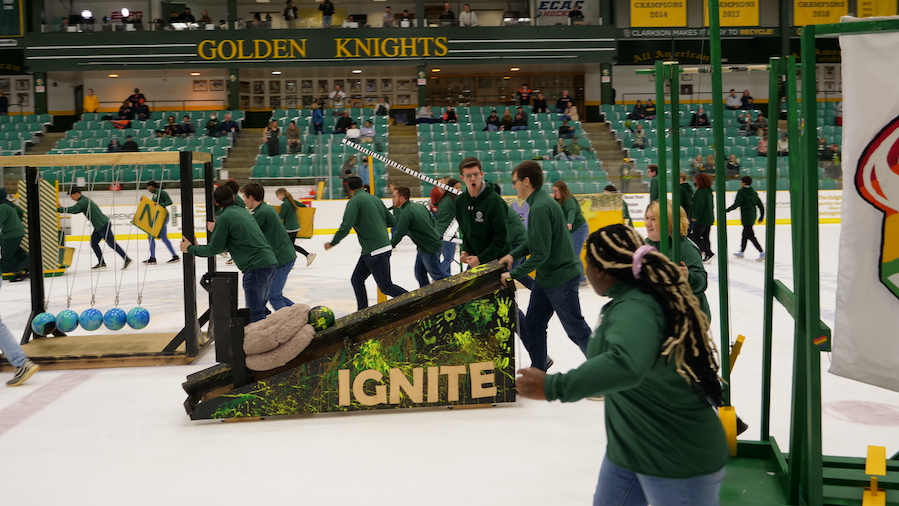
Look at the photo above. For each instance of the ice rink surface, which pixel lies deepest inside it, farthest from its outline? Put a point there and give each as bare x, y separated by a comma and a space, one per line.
121, 436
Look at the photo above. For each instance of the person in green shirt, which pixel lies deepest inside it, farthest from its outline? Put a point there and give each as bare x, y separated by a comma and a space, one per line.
161, 197
13, 259
655, 362
482, 217
236, 231
574, 150
686, 195
276, 236
446, 213
748, 200
417, 222
235, 191
703, 215
366, 214
288, 214
574, 218
100, 222
653, 172
556, 286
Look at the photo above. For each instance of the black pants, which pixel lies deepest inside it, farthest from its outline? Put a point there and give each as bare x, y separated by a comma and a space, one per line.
293, 237
749, 235
274, 148
379, 267
700, 236
12, 257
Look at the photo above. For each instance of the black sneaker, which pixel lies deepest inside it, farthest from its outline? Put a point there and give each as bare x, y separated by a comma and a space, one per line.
127, 263
549, 363
150, 261
174, 260
23, 373
101, 265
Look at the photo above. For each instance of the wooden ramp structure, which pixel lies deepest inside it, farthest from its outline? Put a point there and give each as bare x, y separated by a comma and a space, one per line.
450, 343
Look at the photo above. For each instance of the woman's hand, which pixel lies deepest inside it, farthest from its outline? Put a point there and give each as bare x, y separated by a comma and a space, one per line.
529, 383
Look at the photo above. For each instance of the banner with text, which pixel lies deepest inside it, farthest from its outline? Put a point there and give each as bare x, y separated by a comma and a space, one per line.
658, 13
865, 347
872, 8
12, 21
734, 12
817, 12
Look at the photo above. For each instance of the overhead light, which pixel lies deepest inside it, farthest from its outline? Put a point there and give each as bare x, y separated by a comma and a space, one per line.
194, 73
506, 77
86, 14
113, 75
515, 69
276, 72
357, 71
125, 13
435, 70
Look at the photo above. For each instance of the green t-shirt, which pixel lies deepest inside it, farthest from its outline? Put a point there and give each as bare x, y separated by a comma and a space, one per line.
703, 211
416, 221
367, 215
236, 231
90, 209
446, 211
288, 214
274, 233
656, 423
748, 200
573, 215
549, 244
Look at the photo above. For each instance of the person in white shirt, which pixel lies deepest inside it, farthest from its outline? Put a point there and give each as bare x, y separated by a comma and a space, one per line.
353, 133
337, 96
467, 17
733, 102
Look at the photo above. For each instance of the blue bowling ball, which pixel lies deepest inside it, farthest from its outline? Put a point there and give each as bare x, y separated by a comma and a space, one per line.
67, 320
138, 318
91, 319
114, 319
43, 324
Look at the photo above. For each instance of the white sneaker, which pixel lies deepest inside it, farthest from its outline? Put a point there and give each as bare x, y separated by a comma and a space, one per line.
22, 373
310, 259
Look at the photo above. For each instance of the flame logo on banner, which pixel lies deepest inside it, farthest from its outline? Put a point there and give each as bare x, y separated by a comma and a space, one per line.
877, 180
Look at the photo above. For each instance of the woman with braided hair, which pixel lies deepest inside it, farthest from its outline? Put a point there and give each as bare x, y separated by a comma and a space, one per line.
652, 358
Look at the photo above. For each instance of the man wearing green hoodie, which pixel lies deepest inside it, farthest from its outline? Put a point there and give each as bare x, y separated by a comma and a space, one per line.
12, 257
482, 217
367, 215
100, 222
748, 200
417, 222
551, 254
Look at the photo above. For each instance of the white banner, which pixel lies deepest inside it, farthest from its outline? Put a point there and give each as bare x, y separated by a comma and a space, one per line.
865, 346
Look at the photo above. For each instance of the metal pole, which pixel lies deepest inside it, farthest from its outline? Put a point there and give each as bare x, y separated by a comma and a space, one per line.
35, 255
675, 165
661, 77
188, 264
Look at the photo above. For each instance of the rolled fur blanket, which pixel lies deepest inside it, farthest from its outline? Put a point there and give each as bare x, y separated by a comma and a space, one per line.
276, 340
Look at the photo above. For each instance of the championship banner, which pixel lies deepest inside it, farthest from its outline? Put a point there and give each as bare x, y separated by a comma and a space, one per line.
658, 13
872, 8
734, 12
865, 347
150, 217
817, 12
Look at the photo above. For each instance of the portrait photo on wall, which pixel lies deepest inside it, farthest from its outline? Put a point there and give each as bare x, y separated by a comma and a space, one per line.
244, 101
402, 85
323, 86
22, 84
244, 86
201, 85
387, 85
258, 102
371, 100
216, 85
275, 102
22, 100
4, 85
371, 85
355, 85
403, 99
306, 85
274, 87
291, 102
290, 86
258, 87
307, 100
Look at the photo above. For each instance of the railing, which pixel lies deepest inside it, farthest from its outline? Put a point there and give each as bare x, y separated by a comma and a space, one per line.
166, 105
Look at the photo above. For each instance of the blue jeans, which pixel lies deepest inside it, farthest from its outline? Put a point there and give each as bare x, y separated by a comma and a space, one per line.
519, 127
449, 254
105, 234
561, 156
562, 300
620, 487
10, 347
379, 267
256, 285
326, 21
576, 157
165, 240
578, 237
275, 293
429, 264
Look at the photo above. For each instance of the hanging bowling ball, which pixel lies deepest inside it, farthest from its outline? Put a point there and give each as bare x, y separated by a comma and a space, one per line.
114, 319
43, 324
91, 319
67, 320
321, 317
138, 318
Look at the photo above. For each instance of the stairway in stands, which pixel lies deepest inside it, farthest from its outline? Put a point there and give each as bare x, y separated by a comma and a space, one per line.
403, 150
607, 147
242, 155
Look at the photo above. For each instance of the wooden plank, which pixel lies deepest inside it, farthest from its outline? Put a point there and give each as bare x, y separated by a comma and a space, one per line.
88, 159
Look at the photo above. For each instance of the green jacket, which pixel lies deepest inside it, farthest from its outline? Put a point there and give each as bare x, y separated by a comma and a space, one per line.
654, 188
518, 235
416, 221
275, 234
703, 210
236, 231
686, 198
367, 215
237, 202
90, 209
483, 221
573, 215
549, 244
10, 222
656, 423
747, 200
288, 215
696, 276
446, 211
162, 198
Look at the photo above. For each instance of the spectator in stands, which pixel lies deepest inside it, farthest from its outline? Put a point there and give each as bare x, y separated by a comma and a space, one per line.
524, 95
125, 111
570, 113
746, 101
447, 16
382, 108
626, 170
113, 146
565, 131
406, 18
171, 129
520, 122
91, 101
343, 123
293, 138
142, 112
576, 17
639, 138
637, 112
130, 146
745, 121
337, 96
353, 133
187, 16
700, 119
783, 145
318, 118
710, 163
290, 14
256, 23
449, 116
697, 166
212, 126
229, 127
492, 123
204, 17
506, 121
760, 123
733, 102
564, 102
136, 98
649, 110
425, 115
327, 9
368, 132
762, 147
539, 104
187, 128
271, 134
732, 169
387, 18
832, 165
467, 17
347, 170
559, 151
575, 149
838, 114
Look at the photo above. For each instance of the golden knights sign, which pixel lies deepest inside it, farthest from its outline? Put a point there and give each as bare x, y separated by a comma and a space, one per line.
340, 47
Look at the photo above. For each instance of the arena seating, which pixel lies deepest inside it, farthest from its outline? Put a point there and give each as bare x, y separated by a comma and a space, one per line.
20, 130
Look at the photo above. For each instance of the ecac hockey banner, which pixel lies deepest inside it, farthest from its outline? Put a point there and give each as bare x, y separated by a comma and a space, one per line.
866, 339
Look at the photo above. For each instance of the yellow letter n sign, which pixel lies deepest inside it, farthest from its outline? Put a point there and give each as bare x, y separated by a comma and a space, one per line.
150, 217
